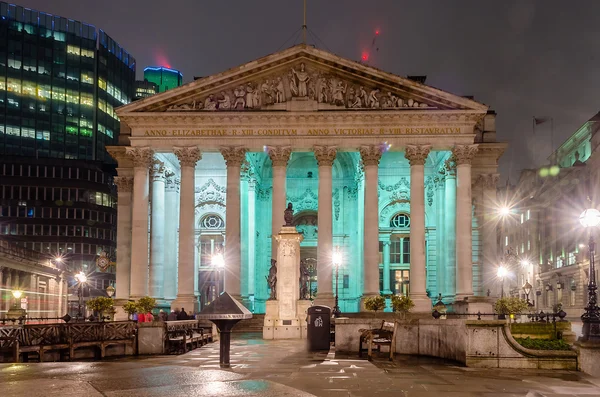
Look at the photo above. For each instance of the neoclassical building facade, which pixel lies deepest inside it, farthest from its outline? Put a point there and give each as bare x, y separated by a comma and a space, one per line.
399, 176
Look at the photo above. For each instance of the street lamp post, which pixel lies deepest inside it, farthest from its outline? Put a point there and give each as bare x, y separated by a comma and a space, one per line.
527, 289
337, 261
218, 263
501, 274
591, 318
81, 279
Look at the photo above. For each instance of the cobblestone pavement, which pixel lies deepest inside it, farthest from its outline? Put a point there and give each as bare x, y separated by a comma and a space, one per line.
282, 368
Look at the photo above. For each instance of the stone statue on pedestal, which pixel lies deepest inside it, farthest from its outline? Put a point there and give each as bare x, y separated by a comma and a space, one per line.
272, 279
288, 215
304, 281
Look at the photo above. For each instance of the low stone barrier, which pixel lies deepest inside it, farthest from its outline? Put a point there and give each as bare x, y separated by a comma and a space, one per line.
475, 343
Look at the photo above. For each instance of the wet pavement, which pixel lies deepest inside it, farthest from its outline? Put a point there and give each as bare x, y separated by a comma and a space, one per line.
282, 368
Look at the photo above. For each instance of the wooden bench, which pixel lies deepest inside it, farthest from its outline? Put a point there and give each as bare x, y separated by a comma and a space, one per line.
184, 335
383, 336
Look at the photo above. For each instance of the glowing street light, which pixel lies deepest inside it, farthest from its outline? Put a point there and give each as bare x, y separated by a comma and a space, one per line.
525, 262
218, 262
336, 259
502, 272
591, 318
17, 294
81, 279
504, 211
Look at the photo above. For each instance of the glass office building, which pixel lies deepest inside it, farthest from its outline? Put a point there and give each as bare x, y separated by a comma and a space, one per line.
144, 89
60, 81
165, 78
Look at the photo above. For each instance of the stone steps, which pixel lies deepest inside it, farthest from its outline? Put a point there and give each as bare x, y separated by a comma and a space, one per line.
255, 324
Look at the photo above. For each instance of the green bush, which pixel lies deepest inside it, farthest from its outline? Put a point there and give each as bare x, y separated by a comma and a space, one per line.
146, 304
375, 303
510, 305
100, 304
130, 308
543, 344
402, 304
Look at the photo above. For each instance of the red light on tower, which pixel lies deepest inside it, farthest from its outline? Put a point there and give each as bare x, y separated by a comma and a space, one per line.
377, 32
365, 56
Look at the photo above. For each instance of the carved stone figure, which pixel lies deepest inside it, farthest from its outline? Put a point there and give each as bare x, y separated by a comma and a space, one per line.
304, 281
293, 86
225, 101
239, 93
249, 96
210, 103
363, 97
373, 100
338, 93
267, 89
303, 78
272, 279
279, 92
323, 92
288, 215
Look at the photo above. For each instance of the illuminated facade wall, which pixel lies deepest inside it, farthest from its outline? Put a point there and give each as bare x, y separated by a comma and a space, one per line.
165, 78
60, 81
144, 89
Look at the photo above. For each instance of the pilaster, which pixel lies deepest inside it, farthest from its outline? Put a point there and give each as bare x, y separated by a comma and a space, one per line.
124, 189
157, 231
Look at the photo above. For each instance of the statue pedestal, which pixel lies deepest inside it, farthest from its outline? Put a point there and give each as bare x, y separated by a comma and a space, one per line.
283, 319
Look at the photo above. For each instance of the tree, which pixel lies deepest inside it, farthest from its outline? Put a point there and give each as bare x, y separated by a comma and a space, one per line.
375, 303
402, 304
146, 304
130, 308
101, 305
510, 305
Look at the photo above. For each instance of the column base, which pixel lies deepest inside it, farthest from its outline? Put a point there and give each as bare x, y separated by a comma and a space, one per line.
422, 304
120, 314
325, 299
188, 302
386, 292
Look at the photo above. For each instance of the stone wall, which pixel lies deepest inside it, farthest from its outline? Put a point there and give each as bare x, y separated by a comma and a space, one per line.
475, 343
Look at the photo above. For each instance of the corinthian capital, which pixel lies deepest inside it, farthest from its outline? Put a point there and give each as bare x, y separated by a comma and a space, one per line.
370, 154
124, 184
463, 154
325, 155
488, 180
234, 155
416, 155
158, 170
279, 155
141, 156
188, 156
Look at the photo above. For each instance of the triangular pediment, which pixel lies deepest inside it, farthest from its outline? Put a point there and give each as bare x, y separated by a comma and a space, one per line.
306, 79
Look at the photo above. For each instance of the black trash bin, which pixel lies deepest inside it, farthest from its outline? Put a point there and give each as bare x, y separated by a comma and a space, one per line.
318, 327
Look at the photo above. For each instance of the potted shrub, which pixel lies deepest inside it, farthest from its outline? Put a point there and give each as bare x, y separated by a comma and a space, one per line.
510, 306
146, 304
375, 303
402, 305
130, 308
101, 304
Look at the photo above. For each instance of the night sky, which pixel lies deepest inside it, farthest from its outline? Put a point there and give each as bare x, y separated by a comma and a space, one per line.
523, 58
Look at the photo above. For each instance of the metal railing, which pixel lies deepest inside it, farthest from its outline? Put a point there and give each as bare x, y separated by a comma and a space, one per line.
51, 320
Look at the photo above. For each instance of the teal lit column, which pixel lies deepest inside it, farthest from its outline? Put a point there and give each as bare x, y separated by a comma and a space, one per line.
450, 231
440, 233
386, 268
463, 154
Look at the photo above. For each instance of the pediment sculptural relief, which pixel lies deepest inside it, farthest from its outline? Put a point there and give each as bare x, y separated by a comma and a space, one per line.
299, 83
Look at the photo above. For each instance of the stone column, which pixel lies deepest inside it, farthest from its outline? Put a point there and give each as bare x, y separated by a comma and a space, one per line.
170, 241
440, 232
325, 156
188, 157
464, 251
157, 231
416, 155
370, 158
251, 236
234, 156
280, 156
124, 187
386, 268
450, 231
490, 249
60, 309
142, 159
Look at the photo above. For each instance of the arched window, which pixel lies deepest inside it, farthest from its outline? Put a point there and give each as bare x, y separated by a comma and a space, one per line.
212, 222
400, 221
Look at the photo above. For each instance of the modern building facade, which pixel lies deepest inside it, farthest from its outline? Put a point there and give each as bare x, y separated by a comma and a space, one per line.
60, 81
144, 89
383, 167
164, 78
547, 244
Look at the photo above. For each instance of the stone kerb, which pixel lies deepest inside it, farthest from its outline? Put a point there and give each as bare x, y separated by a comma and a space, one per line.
491, 345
